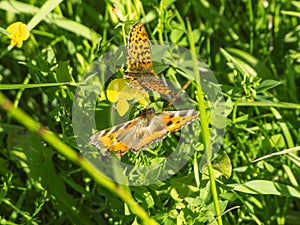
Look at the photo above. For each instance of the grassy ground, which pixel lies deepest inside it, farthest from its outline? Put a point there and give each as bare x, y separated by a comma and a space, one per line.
252, 48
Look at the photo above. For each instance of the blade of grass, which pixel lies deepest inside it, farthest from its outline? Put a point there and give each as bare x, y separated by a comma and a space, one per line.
43, 12
284, 127
25, 86
277, 153
204, 122
286, 105
291, 13
251, 28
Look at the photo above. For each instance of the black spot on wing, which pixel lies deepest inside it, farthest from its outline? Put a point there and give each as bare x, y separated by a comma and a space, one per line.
169, 123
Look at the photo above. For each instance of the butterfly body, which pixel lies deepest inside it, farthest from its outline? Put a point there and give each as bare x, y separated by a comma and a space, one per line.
142, 131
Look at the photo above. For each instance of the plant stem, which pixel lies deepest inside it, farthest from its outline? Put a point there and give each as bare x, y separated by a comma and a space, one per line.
204, 122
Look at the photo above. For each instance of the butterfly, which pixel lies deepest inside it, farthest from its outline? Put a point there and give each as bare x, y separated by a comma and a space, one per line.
137, 134
139, 63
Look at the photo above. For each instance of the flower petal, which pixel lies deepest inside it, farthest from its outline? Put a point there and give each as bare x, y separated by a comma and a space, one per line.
122, 106
18, 32
114, 88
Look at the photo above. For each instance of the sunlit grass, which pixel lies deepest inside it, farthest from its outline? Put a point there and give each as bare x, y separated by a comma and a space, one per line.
253, 50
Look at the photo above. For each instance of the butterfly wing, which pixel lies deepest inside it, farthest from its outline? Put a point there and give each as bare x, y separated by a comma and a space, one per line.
139, 63
139, 57
161, 124
137, 134
174, 120
128, 135
153, 83
109, 138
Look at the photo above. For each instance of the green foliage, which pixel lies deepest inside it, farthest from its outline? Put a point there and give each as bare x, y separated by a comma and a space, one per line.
253, 49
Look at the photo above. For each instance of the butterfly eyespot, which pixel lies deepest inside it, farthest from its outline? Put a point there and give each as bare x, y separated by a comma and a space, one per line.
169, 123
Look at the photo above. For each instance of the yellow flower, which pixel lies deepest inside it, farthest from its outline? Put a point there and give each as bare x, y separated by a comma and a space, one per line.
120, 92
18, 32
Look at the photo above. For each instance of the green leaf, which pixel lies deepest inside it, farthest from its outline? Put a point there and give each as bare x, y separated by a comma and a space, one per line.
266, 85
249, 63
266, 187
221, 166
145, 198
62, 72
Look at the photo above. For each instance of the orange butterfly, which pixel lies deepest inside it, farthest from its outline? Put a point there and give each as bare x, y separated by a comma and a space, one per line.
142, 131
139, 63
